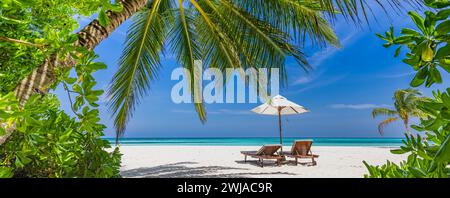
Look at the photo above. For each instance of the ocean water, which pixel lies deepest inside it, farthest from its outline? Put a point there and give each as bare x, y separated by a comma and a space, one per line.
257, 141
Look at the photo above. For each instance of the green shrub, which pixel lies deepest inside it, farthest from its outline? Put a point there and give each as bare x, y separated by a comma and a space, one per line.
430, 156
49, 143
428, 54
46, 142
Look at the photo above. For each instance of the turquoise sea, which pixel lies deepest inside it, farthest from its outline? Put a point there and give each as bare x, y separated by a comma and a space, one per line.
258, 141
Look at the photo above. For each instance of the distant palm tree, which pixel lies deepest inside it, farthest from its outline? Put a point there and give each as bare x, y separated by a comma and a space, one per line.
405, 103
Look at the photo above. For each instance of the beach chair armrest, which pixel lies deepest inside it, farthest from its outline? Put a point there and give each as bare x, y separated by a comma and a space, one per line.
267, 156
303, 156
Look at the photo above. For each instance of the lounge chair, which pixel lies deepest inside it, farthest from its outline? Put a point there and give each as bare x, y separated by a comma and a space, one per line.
302, 149
265, 152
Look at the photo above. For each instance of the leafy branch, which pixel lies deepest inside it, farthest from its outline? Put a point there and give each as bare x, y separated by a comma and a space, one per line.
40, 46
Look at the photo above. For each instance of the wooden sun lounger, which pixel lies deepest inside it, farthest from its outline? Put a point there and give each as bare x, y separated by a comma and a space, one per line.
265, 152
302, 149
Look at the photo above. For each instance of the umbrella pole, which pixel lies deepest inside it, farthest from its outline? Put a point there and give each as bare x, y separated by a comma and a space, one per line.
279, 124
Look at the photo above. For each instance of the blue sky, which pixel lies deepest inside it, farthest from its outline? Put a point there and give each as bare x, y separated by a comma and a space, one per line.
341, 91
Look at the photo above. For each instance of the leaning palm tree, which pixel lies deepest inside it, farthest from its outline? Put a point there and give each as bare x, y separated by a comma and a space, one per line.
405, 104
222, 33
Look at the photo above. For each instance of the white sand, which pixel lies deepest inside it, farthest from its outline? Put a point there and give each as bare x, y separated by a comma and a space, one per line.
226, 161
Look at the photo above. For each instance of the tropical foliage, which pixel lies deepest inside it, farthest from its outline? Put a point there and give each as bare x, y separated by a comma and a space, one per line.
49, 143
46, 141
427, 45
405, 104
38, 42
428, 49
33, 30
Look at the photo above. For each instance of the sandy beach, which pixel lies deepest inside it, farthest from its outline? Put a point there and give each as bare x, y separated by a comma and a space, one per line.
227, 162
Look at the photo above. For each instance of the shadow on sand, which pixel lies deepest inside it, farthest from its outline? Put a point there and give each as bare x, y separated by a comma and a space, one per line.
182, 170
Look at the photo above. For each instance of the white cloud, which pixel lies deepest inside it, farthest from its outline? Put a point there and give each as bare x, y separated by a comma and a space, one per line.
358, 106
321, 56
321, 83
307, 79
302, 80
400, 75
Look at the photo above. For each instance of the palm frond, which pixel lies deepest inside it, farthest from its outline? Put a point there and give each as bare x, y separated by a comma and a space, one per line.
219, 50
184, 44
413, 96
357, 10
139, 62
260, 44
407, 99
384, 123
302, 19
405, 102
383, 111
353, 10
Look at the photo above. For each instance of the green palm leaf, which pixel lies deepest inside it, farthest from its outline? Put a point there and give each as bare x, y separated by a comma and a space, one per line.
355, 10
405, 102
215, 37
260, 44
382, 111
184, 44
139, 61
386, 122
298, 17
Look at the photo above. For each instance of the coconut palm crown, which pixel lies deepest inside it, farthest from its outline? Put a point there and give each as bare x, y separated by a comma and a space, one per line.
405, 107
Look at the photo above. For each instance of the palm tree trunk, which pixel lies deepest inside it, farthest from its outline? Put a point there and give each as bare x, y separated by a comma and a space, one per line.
406, 123
89, 37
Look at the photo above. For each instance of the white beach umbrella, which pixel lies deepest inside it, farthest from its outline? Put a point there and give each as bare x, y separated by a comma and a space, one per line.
279, 105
